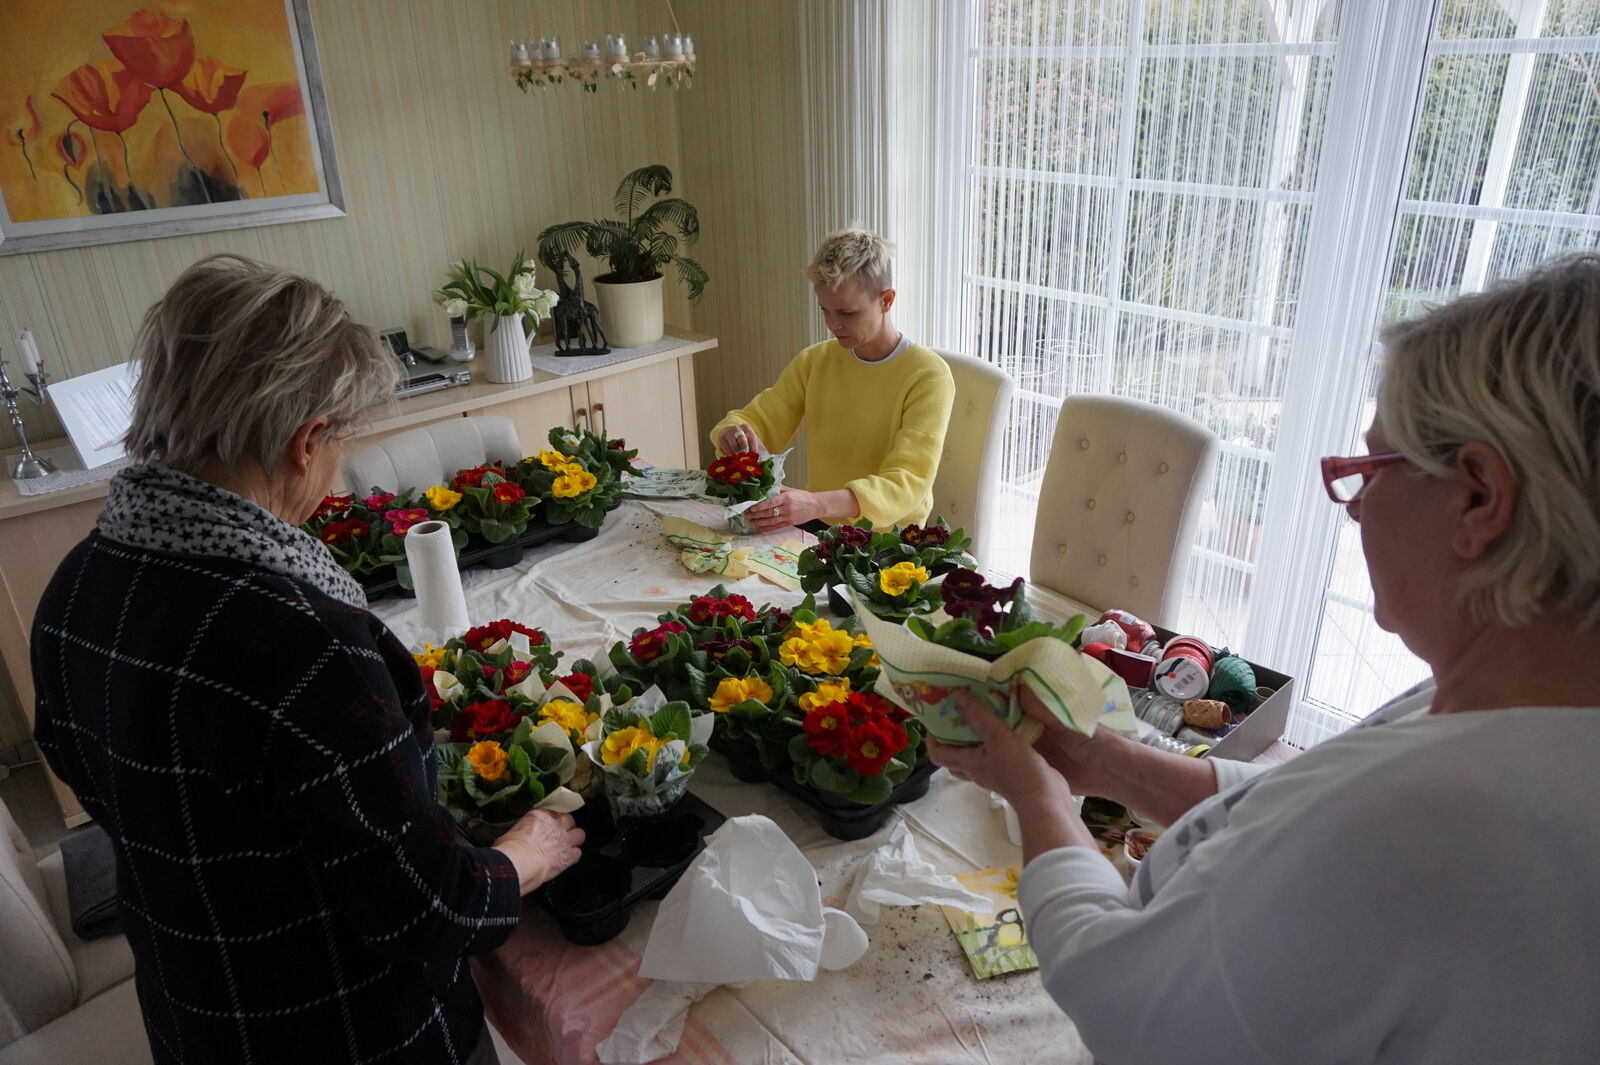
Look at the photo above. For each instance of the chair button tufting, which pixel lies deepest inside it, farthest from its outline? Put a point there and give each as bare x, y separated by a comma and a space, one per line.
1061, 549
1123, 457
1163, 468
1090, 504
1129, 518
1084, 443
1134, 581
1102, 560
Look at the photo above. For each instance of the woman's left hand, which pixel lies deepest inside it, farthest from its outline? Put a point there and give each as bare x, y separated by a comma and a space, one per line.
1003, 762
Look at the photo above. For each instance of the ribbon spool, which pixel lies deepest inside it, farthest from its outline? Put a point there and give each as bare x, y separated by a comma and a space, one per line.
1233, 681
1184, 671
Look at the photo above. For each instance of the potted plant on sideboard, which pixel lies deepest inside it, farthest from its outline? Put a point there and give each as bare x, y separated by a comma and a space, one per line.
637, 246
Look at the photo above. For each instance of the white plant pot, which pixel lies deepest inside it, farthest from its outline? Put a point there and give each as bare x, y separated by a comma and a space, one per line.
630, 313
506, 350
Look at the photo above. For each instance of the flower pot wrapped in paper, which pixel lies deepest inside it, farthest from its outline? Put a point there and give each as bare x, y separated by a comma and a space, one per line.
646, 754
489, 784
888, 569
990, 644
742, 479
481, 681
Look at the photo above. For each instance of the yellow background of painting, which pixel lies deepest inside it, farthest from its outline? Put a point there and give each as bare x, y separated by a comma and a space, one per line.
57, 38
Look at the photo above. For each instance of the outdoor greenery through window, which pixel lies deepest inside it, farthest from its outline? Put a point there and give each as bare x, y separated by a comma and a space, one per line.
1143, 192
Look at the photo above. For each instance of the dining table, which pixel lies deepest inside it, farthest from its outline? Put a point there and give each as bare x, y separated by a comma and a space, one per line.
912, 997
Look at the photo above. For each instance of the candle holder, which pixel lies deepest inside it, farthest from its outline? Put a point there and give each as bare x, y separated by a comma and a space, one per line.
27, 465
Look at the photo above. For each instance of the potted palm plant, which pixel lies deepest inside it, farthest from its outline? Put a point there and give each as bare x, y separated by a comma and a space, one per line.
637, 246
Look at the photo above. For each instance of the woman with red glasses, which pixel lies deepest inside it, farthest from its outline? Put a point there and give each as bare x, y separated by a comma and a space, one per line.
1420, 889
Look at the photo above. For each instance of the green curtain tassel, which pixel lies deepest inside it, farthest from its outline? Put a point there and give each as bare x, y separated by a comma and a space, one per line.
1234, 682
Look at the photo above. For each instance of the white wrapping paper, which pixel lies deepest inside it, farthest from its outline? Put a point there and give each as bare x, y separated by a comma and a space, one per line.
441, 604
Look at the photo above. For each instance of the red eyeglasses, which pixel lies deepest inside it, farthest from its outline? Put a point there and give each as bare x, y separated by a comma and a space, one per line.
1346, 478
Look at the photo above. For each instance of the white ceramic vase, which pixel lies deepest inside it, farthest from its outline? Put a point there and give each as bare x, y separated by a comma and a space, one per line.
630, 312
506, 350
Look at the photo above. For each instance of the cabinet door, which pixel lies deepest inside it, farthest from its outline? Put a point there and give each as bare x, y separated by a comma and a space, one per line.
644, 406
534, 416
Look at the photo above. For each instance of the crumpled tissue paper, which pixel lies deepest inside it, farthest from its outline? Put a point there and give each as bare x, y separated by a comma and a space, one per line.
896, 875
749, 908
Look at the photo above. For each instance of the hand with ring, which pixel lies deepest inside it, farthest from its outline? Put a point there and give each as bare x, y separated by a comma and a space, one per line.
791, 506
738, 438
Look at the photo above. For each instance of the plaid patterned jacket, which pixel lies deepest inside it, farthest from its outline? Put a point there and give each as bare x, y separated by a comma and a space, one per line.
261, 756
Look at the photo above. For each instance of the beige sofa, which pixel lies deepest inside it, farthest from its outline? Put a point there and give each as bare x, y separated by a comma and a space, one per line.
62, 999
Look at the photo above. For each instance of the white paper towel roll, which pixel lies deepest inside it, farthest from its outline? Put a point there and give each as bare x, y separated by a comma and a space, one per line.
440, 601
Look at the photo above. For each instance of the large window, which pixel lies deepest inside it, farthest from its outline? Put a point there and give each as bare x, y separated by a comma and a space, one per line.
1211, 205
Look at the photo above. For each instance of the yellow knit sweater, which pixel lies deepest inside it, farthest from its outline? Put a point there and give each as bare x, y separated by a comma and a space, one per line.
876, 428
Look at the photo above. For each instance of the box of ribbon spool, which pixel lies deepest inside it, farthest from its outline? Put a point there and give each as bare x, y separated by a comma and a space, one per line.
1264, 724
1252, 734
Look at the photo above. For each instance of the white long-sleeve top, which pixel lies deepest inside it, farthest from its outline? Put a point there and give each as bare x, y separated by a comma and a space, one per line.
1424, 891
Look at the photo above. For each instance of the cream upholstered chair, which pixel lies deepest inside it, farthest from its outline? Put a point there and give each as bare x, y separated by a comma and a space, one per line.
1120, 504
61, 998
425, 457
969, 469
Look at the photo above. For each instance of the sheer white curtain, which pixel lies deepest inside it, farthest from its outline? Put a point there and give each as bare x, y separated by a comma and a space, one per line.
1211, 205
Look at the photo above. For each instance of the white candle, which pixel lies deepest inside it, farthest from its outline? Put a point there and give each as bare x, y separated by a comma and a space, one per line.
688, 47
30, 353
519, 53
552, 48
651, 48
617, 45
591, 51
674, 44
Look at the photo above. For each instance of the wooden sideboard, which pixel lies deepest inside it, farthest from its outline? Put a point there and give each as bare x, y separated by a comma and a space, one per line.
649, 401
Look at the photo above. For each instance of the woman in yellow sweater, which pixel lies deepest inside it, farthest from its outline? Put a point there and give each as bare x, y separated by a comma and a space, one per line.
875, 405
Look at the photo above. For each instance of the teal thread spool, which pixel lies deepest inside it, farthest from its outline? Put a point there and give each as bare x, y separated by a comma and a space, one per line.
1234, 682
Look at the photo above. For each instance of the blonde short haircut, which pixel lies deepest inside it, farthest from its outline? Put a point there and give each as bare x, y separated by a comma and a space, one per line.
237, 355
1517, 366
853, 253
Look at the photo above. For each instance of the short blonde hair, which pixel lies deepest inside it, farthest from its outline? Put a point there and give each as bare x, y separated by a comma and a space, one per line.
1516, 366
237, 355
853, 253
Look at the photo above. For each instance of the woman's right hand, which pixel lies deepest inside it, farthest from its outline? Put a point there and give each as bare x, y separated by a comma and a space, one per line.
1079, 758
541, 845
738, 438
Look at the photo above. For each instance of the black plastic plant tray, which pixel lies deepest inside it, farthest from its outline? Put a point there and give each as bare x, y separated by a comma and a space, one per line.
840, 818
623, 863
479, 553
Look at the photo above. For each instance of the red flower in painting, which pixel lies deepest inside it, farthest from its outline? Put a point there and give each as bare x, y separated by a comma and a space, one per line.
211, 86
157, 48
259, 108
103, 97
19, 136
579, 684
647, 646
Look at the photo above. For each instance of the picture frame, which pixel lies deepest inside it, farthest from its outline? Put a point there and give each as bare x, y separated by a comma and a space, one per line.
166, 127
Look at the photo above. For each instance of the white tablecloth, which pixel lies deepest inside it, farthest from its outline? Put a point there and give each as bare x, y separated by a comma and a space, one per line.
911, 998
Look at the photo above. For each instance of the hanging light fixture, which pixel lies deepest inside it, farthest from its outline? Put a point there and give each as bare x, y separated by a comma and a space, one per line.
537, 63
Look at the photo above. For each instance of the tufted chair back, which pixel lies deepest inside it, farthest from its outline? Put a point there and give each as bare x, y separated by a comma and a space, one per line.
969, 469
424, 457
1120, 504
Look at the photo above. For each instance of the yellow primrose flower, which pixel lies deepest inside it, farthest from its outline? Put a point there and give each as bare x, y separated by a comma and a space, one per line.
442, 498
618, 747
568, 714
830, 653
901, 578
829, 691
571, 485
731, 691
489, 760
809, 631
552, 460
863, 640
431, 656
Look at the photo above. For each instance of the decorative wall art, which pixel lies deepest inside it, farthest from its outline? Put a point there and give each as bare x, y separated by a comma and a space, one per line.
122, 123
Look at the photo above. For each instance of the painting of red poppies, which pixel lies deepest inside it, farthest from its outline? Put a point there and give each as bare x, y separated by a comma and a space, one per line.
124, 122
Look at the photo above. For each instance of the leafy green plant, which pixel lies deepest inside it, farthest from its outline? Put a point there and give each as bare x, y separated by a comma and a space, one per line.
474, 290
639, 243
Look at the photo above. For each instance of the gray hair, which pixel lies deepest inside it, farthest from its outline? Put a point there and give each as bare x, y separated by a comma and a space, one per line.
1518, 367
853, 253
238, 355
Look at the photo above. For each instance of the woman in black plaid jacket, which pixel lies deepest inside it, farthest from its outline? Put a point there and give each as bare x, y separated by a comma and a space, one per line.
255, 742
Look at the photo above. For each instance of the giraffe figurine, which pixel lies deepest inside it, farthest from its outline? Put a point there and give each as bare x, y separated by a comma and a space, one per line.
577, 320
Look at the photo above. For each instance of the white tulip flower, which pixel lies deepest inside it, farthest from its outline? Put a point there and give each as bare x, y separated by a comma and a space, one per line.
455, 308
